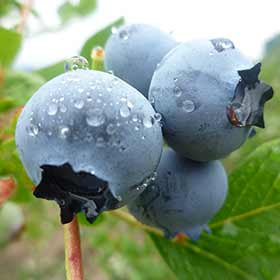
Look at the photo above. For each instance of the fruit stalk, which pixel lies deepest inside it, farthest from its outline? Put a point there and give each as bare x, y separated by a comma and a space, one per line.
73, 255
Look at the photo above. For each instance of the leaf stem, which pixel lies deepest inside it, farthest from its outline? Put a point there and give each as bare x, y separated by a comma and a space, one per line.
73, 255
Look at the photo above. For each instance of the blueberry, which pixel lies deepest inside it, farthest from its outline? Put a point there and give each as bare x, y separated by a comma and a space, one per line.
184, 197
209, 96
89, 141
133, 52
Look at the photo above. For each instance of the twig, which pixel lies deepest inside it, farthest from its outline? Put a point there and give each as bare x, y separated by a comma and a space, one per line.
24, 13
73, 256
132, 221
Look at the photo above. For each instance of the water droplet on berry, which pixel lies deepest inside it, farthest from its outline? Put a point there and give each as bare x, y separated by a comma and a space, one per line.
157, 117
111, 129
148, 121
177, 91
33, 130
52, 110
123, 35
188, 106
64, 132
79, 103
95, 117
124, 111
75, 63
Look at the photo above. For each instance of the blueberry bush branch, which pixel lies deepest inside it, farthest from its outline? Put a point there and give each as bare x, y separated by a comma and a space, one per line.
24, 13
73, 255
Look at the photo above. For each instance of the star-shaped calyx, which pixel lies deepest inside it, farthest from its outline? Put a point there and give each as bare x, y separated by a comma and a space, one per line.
247, 105
75, 192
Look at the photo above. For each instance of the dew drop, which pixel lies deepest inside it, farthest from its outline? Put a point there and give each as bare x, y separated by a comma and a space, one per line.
52, 110
75, 63
123, 35
188, 106
64, 132
119, 198
111, 129
177, 91
124, 111
79, 104
157, 117
135, 118
129, 104
80, 90
33, 130
95, 117
175, 80
148, 121
109, 88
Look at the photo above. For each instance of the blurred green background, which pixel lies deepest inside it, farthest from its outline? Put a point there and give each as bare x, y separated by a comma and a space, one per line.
31, 238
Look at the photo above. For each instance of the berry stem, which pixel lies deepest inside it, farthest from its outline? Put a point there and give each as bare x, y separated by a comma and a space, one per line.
97, 56
73, 255
132, 221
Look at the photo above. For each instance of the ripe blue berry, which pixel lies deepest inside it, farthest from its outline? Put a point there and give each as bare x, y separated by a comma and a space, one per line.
184, 197
209, 96
133, 52
89, 141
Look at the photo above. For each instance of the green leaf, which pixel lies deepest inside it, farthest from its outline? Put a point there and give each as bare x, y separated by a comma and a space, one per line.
51, 71
67, 10
245, 239
10, 165
99, 39
18, 87
9, 47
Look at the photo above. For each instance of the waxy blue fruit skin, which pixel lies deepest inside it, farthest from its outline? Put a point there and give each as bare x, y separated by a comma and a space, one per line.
90, 141
192, 89
134, 51
184, 197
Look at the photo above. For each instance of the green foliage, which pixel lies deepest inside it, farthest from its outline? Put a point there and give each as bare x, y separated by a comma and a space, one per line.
18, 87
99, 39
245, 240
51, 71
9, 47
68, 10
10, 165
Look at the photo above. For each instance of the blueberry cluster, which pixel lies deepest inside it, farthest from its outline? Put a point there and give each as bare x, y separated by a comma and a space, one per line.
209, 96
92, 141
